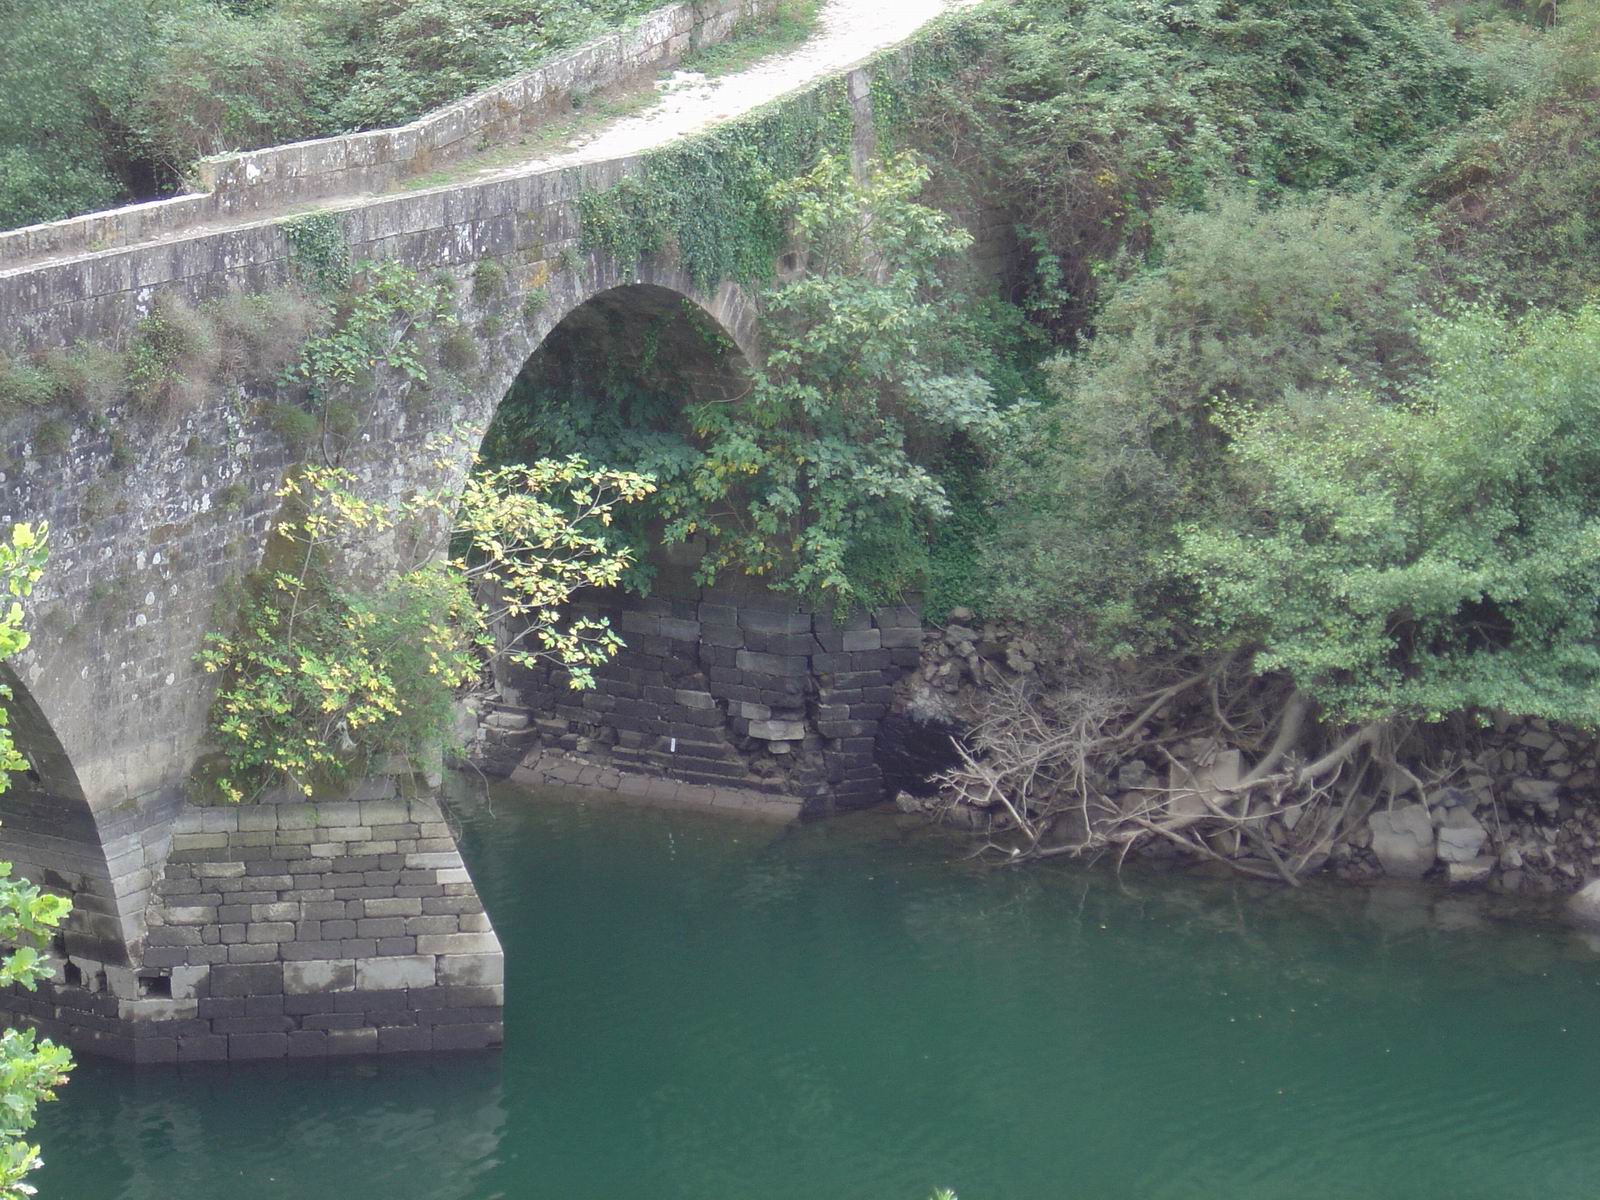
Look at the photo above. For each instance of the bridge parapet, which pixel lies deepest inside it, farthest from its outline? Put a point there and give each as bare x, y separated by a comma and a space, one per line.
233, 186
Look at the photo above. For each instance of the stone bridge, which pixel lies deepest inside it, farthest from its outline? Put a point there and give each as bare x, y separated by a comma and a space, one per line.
290, 929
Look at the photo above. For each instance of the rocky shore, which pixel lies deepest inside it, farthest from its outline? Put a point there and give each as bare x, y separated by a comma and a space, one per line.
1512, 811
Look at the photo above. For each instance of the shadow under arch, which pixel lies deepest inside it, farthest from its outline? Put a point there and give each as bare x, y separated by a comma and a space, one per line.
49, 833
610, 381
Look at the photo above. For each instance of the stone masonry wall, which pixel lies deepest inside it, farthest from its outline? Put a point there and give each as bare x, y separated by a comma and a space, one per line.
287, 929
277, 176
726, 692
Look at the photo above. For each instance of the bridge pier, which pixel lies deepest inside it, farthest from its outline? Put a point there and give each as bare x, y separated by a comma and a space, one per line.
293, 929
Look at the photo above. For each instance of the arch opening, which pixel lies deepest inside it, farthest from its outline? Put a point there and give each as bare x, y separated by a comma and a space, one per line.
722, 694
49, 833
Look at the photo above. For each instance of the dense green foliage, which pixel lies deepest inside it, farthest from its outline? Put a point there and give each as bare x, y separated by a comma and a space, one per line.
112, 100
1431, 555
817, 477
710, 198
323, 676
1238, 301
1086, 117
1279, 434
30, 1069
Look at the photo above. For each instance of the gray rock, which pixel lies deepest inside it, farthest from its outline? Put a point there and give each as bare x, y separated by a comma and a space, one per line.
778, 731
1584, 906
1460, 836
1475, 871
1402, 839
1536, 793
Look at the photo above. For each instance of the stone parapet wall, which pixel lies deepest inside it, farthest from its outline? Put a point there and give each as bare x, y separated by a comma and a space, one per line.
728, 693
351, 164
288, 929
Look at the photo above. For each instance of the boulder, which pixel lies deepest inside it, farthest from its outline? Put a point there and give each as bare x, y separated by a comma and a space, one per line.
1402, 839
1585, 904
1460, 836
1476, 871
1536, 793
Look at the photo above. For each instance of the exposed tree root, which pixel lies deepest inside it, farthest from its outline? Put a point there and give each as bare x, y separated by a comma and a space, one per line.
1218, 763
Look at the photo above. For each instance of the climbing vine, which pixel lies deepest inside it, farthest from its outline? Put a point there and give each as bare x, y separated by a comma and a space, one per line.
708, 199
319, 251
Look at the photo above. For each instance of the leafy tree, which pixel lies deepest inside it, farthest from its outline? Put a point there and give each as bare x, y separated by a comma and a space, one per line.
1240, 303
1435, 555
69, 74
1514, 194
322, 678
818, 478
30, 1070
219, 83
1085, 118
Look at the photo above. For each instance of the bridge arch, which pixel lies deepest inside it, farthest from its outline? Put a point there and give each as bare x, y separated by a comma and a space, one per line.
53, 838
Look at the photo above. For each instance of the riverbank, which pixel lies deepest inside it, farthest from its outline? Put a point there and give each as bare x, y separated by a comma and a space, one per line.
1503, 808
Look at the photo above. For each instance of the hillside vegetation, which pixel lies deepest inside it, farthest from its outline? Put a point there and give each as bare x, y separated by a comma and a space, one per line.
109, 101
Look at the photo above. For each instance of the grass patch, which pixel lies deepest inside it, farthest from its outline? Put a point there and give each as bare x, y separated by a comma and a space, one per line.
791, 23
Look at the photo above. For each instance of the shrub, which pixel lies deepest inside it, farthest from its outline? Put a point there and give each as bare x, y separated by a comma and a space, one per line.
1087, 117
171, 358
1426, 557
221, 83
1515, 196
1239, 303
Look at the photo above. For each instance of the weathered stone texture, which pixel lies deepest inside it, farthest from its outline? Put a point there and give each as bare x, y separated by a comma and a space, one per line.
291, 947
747, 697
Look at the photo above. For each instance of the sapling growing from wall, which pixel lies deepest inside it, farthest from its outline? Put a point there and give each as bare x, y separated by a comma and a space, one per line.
325, 675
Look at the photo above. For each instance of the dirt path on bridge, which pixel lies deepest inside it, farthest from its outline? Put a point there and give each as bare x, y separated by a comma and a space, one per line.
847, 32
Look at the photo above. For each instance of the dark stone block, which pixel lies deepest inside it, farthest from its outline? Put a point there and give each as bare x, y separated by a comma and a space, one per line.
467, 1037
767, 621
427, 999
155, 1049
231, 1025
204, 1048
167, 956
258, 1045
871, 660
313, 1002
347, 1020
846, 729
372, 1002
253, 979
858, 679
717, 614
458, 1016
209, 1007
402, 1039
308, 1043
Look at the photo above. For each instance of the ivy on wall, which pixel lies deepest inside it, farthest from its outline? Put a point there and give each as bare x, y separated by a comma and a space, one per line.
707, 199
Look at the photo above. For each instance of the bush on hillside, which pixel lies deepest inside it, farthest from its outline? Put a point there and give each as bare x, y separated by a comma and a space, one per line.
1435, 555
1240, 305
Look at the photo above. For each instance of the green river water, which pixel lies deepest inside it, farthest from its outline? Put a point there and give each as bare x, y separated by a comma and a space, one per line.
705, 1009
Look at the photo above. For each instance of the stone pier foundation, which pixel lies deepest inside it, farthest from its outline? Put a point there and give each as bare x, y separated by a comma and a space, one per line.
292, 929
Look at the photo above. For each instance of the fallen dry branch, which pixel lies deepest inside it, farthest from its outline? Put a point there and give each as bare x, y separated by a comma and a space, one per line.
1216, 764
